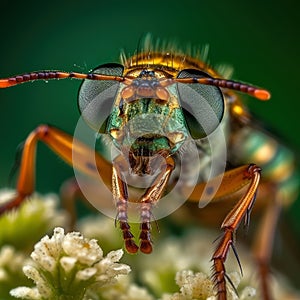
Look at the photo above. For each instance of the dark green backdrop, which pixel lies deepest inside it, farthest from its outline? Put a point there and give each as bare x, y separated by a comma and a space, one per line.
259, 38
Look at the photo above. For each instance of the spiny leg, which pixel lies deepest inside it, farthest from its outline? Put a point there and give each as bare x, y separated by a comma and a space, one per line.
231, 181
66, 147
229, 226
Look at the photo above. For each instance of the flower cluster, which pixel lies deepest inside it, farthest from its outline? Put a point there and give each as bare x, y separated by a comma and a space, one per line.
199, 286
68, 265
73, 266
180, 267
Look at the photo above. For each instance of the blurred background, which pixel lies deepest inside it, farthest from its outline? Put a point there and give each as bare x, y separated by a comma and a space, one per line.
260, 39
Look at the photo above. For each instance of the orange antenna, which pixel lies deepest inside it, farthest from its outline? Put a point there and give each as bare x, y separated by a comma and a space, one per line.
256, 92
45, 75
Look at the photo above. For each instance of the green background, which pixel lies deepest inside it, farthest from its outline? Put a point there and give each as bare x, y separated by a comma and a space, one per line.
260, 39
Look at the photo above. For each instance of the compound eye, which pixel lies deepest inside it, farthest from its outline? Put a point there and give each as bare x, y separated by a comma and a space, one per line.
96, 98
202, 105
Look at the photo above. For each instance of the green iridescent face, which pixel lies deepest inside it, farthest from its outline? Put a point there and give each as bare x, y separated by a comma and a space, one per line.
148, 115
162, 126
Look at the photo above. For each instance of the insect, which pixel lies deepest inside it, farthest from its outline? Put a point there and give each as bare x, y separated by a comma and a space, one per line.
161, 110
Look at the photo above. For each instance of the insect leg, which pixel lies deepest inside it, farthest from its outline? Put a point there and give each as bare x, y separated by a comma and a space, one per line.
229, 226
120, 195
264, 239
219, 187
150, 197
70, 191
231, 181
64, 146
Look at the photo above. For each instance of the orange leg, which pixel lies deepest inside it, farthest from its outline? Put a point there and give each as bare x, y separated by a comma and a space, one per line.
232, 181
87, 161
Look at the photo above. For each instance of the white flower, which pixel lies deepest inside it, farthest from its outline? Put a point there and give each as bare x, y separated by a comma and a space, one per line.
26, 293
200, 286
68, 263
67, 266
86, 252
